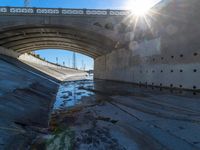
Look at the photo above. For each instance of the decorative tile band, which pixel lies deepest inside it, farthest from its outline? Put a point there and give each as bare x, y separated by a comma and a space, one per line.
59, 11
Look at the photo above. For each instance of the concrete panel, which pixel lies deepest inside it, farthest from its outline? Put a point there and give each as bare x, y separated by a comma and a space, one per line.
170, 74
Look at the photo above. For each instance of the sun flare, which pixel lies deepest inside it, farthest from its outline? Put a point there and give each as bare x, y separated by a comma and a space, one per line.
140, 7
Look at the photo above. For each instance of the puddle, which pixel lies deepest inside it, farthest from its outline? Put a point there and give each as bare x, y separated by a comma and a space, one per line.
70, 93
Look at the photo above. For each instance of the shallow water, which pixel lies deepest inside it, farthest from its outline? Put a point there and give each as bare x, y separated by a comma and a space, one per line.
71, 93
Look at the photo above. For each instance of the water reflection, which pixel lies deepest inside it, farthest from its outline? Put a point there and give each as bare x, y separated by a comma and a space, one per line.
72, 92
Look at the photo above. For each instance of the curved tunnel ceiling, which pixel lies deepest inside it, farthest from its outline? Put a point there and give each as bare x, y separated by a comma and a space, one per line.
30, 38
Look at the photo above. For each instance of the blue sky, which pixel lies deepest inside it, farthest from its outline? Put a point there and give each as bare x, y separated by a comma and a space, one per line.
66, 56
108, 4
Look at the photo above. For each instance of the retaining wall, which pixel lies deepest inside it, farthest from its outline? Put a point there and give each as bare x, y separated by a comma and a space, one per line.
170, 59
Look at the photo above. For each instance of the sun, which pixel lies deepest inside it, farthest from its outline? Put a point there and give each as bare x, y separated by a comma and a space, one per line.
140, 7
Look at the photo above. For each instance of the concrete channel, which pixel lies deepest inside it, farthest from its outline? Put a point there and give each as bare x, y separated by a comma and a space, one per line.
152, 102
40, 112
106, 115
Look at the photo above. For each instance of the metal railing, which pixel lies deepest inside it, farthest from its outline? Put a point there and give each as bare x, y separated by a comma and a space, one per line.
62, 11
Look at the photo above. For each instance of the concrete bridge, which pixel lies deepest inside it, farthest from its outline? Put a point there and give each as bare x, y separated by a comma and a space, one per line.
161, 49
90, 32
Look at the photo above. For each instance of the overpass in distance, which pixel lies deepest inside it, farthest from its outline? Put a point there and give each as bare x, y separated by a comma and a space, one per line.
160, 50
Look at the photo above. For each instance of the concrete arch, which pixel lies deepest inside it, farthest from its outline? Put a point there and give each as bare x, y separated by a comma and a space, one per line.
28, 38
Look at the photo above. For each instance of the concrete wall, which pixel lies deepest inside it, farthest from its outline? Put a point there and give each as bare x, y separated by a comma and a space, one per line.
8, 52
170, 59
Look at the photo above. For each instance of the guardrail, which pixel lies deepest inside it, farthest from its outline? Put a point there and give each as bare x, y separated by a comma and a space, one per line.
62, 11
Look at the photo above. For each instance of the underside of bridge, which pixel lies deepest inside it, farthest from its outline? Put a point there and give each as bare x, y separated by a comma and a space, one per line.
30, 38
164, 52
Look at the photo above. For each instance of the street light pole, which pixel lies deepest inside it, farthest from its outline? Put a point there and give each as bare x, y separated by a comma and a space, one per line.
69, 65
57, 60
74, 60
26, 3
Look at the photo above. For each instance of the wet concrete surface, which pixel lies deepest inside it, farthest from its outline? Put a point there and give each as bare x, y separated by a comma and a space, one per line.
25, 103
106, 115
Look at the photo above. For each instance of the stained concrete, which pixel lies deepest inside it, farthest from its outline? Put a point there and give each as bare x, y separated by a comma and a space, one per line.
102, 115
25, 101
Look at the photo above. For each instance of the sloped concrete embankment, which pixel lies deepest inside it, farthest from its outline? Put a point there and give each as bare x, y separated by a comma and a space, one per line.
26, 97
58, 72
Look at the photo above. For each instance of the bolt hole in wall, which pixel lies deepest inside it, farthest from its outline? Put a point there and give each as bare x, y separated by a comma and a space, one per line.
67, 59
171, 86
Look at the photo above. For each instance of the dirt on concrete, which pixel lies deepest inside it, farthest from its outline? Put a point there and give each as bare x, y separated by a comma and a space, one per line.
104, 115
26, 100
